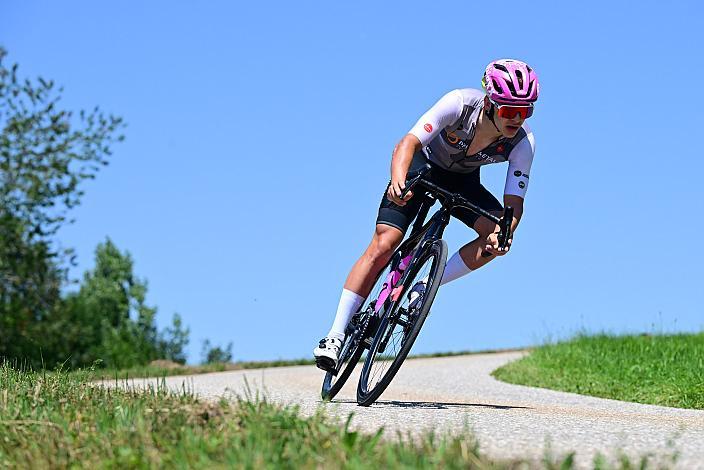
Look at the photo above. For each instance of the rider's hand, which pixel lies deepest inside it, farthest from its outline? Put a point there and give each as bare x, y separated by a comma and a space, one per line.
492, 245
394, 192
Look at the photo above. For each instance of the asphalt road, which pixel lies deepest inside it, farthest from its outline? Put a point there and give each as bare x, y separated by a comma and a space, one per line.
454, 393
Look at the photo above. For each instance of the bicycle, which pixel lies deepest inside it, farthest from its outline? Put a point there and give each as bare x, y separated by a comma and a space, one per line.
390, 319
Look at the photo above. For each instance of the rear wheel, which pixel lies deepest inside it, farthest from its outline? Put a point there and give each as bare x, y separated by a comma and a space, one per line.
359, 335
350, 353
401, 324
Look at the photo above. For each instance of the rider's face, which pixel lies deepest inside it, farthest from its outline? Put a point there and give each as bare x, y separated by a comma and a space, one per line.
508, 127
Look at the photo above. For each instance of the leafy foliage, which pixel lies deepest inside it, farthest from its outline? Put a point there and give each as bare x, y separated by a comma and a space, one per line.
127, 325
216, 354
46, 152
108, 318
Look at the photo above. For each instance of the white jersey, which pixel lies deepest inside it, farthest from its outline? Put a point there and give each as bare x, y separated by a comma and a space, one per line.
446, 130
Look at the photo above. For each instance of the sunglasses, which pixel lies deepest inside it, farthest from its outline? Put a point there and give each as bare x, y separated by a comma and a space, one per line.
509, 112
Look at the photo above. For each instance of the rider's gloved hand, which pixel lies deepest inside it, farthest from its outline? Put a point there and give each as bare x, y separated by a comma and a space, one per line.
492, 245
394, 192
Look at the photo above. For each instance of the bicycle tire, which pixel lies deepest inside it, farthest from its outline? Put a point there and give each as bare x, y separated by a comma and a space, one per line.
438, 250
333, 383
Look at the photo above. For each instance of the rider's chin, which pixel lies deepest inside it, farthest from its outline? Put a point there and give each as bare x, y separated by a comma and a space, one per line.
510, 130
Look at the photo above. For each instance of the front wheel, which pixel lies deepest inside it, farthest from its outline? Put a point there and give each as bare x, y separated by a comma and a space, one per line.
402, 322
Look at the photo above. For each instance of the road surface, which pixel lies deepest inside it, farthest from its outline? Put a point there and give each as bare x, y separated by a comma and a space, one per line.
455, 393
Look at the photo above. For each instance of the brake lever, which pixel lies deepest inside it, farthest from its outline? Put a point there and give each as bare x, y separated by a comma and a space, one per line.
505, 232
414, 179
506, 221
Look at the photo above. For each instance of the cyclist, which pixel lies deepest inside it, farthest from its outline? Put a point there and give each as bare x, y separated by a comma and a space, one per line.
465, 129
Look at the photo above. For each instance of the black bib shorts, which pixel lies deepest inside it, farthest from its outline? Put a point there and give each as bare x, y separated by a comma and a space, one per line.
467, 184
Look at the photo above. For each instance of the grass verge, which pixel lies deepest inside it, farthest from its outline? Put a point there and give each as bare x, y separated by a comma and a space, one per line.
63, 421
656, 369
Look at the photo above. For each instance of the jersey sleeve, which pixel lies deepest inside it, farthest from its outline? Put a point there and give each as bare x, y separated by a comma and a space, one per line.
443, 113
519, 162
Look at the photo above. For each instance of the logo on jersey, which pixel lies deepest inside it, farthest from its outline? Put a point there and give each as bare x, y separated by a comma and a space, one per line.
517, 173
483, 156
428, 127
500, 148
452, 138
521, 184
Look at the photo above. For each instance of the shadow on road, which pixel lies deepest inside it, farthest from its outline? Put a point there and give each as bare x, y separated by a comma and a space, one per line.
435, 405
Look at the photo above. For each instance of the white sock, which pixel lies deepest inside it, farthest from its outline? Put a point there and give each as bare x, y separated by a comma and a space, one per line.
349, 303
454, 269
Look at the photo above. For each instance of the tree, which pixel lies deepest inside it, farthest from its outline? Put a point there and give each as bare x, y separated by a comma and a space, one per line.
174, 341
123, 324
213, 354
45, 154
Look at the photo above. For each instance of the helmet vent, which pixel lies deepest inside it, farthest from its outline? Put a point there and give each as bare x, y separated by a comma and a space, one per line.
497, 86
501, 67
519, 76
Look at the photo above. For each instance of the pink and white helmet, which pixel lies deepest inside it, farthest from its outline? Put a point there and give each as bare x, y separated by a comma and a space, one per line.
512, 82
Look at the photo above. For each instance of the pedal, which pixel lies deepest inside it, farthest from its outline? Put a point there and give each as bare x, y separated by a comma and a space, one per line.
326, 364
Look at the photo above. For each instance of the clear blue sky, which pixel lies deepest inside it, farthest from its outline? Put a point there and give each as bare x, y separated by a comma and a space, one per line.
259, 142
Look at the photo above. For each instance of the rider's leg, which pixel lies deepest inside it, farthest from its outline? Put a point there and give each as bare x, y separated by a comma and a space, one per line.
385, 240
361, 278
471, 253
469, 257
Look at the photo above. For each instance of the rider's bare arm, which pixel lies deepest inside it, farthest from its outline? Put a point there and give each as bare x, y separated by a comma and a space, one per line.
400, 162
517, 203
443, 113
492, 240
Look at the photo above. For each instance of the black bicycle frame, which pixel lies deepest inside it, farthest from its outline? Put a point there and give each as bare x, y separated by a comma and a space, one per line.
435, 227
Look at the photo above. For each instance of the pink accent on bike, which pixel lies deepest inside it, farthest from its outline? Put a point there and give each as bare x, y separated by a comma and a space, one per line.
396, 293
391, 279
404, 262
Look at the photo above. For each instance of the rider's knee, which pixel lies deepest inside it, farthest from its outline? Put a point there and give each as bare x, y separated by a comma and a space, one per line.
484, 227
383, 244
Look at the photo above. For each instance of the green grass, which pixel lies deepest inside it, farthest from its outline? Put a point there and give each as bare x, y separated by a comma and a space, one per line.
61, 420
657, 369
